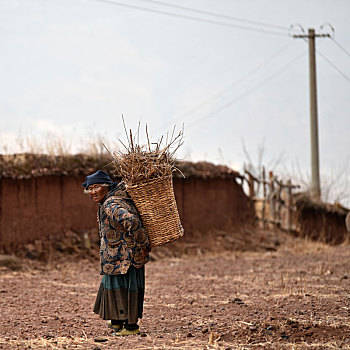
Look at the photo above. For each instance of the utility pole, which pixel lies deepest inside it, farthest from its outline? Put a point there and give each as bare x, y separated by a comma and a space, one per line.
315, 163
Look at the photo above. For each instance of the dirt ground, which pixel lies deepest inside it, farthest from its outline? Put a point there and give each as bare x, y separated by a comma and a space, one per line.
293, 296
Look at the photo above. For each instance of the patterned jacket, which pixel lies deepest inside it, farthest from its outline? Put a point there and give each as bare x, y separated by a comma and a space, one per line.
123, 240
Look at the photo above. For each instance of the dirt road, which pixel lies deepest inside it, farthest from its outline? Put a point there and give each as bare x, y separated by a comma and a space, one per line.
297, 297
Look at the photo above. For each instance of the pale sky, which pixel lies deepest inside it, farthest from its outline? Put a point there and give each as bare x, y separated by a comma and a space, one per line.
71, 68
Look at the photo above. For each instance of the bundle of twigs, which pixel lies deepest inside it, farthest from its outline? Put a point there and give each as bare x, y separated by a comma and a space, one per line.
137, 163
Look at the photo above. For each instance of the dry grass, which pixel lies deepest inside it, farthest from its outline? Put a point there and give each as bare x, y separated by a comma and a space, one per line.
48, 343
214, 342
54, 145
305, 246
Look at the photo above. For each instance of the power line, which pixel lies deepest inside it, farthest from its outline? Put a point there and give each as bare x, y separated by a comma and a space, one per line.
215, 14
341, 47
240, 80
256, 87
198, 19
333, 65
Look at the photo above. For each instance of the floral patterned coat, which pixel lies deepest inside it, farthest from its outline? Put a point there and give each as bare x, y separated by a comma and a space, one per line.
123, 240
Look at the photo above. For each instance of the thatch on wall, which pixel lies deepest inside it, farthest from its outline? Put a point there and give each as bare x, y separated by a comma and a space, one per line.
27, 165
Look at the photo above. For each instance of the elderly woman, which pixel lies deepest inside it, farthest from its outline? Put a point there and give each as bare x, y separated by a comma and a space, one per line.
124, 249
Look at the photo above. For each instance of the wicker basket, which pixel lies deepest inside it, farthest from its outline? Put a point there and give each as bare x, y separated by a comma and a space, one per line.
156, 204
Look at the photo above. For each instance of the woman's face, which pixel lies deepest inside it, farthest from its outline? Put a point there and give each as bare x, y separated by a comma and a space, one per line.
97, 192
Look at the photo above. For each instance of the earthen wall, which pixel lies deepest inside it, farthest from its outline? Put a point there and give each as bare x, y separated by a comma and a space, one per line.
39, 207
325, 226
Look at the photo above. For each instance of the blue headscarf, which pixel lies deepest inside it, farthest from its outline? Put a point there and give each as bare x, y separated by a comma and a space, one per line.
100, 177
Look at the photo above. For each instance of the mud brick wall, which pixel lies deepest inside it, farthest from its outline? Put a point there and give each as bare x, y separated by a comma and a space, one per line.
207, 204
322, 225
39, 207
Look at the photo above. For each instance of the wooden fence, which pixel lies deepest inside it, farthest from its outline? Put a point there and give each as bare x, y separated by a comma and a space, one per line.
273, 200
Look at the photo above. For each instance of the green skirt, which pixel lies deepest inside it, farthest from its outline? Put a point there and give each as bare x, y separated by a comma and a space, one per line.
120, 297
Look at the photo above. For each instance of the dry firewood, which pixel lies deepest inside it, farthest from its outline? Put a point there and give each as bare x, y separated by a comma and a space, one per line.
141, 163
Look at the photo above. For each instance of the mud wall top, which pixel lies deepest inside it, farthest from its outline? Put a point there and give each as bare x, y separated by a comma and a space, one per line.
26, 165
